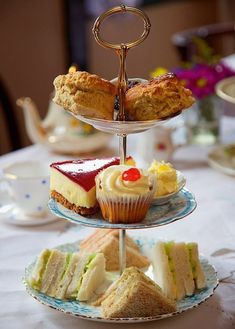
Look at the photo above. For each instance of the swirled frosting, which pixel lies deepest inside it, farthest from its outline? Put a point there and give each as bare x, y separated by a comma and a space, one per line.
110, 181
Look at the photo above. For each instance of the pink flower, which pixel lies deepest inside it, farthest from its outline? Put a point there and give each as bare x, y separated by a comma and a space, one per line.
202, 78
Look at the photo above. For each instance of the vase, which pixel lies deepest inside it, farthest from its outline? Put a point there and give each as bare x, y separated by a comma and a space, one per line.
202, 121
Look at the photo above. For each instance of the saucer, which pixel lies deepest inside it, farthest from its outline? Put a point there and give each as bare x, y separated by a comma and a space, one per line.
225, 89
75, 144
222, 158
11, 214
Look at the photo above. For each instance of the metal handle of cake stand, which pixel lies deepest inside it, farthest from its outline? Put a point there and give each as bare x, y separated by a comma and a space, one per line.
121, 50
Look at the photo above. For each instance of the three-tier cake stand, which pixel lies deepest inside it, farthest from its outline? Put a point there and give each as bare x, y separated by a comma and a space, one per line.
120, 126
179, 207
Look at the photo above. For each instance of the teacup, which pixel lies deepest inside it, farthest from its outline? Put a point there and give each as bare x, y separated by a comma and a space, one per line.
28, 186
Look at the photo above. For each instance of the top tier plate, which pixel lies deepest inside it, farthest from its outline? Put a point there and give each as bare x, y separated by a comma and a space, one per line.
122, 127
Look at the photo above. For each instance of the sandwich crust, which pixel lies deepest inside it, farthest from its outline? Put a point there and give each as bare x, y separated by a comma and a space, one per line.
135, 295
85, 94
99, 234
107, 242
160, 98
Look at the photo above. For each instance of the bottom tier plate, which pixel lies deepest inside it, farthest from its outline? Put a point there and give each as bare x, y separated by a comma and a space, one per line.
88, 312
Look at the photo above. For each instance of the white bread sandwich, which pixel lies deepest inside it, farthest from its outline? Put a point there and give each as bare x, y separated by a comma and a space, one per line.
135, 295
66, 275
45, 269
177, 269
88, 276
198, 274
106, 241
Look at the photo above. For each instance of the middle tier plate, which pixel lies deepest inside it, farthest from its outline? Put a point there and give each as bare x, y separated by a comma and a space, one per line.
178, 207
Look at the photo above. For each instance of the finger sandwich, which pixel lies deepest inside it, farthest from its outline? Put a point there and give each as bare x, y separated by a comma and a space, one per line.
67, 275
106, 241
135, 295
177, 269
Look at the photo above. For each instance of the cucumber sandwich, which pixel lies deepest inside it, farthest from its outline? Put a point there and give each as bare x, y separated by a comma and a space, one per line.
67, 275
177, 269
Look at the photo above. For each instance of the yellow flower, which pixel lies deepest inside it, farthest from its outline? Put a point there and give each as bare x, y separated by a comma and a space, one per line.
158, 71
183, 82
202, 82
74, 123
87, 128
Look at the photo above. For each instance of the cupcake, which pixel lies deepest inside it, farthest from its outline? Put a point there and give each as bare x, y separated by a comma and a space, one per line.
124, 193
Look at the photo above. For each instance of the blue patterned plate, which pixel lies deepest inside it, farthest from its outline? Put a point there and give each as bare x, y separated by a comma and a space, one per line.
86, 311
179, 206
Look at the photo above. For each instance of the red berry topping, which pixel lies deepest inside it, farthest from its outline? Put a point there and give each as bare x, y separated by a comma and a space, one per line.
131, 175
161, 146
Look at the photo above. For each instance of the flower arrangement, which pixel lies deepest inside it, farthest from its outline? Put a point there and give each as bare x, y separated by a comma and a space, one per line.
201, 78
202, 74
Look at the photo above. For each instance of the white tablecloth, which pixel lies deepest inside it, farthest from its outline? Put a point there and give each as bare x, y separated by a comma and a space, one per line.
212, 225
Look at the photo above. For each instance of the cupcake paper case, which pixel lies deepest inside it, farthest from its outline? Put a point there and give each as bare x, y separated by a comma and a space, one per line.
124, 193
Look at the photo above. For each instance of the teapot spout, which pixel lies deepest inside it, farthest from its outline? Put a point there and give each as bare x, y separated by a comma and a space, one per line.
34, 127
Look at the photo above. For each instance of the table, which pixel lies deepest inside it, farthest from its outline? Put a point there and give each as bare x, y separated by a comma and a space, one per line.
212, 225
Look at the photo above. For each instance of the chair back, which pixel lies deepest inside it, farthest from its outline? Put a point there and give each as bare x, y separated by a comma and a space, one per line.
9, 130
220, 37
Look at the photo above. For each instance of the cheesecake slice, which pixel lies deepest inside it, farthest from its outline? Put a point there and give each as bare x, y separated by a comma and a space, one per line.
72, 183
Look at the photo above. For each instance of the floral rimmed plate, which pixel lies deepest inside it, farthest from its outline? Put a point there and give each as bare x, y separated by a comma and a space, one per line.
180, 206
88, 312
160, 200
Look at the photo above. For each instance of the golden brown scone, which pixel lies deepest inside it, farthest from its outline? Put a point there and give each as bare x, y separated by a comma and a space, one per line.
85, 94
162, 97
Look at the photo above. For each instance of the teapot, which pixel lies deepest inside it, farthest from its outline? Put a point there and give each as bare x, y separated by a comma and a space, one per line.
60, 131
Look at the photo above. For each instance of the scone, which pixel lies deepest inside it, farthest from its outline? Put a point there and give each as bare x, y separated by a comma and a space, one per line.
162, 97
124, 193
85, 94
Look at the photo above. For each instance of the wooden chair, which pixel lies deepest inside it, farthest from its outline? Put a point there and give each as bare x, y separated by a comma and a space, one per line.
220, 37
9, 131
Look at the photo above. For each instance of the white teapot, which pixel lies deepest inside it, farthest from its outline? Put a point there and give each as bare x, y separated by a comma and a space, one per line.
60, 131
